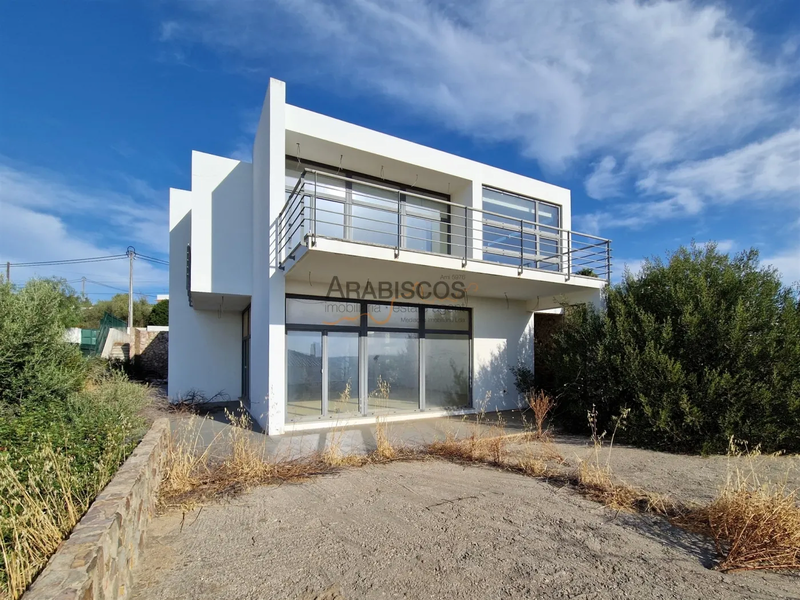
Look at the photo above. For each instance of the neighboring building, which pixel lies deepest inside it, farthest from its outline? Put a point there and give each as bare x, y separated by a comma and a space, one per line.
443, 262
160, 297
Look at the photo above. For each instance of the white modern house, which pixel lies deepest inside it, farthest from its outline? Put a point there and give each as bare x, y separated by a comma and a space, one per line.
346, 275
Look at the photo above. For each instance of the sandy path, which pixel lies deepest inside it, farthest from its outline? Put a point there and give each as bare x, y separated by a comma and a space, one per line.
430, 530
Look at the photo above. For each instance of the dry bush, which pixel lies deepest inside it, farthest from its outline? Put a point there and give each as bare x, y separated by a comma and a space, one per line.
533, 467
194, 474
384, 450
541, 404
755, 525
333, 455
598, 484
36, 514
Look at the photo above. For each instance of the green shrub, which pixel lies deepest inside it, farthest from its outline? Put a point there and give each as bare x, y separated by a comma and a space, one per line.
55, 458
160, 313
701, 347
36, 363
66, 424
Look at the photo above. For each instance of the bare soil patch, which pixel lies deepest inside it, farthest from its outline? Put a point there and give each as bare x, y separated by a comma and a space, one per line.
431, 529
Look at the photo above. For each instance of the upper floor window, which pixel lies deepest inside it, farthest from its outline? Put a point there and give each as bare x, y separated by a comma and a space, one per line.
519, 207
520, 231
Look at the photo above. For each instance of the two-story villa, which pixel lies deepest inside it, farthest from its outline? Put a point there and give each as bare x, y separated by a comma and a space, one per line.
346, 275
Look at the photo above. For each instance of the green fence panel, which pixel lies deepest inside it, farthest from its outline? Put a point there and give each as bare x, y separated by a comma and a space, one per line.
106, 323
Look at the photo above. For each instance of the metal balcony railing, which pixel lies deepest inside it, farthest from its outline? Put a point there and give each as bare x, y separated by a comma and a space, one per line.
324, 205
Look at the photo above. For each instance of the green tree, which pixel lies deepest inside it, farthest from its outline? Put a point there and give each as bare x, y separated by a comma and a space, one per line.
118, 307
36, 363
700, 347
160, 313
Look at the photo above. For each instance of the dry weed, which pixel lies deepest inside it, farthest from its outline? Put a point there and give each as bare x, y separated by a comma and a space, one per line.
541, 404
193, 474
755, 525
598, 484
384, 450
333, 455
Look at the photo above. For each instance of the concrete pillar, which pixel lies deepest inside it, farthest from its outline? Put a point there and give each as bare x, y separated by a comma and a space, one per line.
268, 331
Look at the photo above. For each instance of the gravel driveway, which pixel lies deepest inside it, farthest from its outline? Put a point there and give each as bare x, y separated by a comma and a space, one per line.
430, 529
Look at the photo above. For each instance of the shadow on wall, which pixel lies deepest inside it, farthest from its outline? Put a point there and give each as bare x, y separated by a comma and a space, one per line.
493, 385
153, 361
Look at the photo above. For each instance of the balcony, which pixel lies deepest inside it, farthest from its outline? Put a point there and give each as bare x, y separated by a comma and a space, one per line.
330, 206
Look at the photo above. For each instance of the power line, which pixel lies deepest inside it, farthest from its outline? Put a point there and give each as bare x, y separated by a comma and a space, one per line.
151, 259
69, 261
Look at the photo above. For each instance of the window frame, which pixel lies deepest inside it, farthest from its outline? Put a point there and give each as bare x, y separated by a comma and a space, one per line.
363, 329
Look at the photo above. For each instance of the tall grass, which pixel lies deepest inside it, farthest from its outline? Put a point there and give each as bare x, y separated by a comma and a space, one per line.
54, 462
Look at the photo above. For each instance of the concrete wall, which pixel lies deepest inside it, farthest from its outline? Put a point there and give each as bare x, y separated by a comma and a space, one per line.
222, 231
72, 335
268, 343
204, 346
503, 337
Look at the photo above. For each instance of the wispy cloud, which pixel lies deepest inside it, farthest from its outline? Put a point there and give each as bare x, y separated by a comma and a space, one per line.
675, 98
45, 217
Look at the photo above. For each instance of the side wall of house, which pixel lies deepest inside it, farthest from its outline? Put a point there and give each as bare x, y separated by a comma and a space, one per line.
204, 346
222, 231
502, 338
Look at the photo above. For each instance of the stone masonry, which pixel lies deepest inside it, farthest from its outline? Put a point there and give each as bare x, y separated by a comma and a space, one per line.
95, 562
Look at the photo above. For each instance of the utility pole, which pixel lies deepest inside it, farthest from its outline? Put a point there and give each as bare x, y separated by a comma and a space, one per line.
8, 272
83, 287
131, 252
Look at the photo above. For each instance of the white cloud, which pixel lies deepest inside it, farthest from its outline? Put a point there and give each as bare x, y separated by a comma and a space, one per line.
723, 246
787, 262
666, 91
603, 182
618, 268
765, 171
43, 217
561, 78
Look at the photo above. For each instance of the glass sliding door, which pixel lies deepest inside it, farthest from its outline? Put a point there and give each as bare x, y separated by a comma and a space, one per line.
347, 358
446, 371
304, 374
342, 373
374, 215
425, 226
392, 371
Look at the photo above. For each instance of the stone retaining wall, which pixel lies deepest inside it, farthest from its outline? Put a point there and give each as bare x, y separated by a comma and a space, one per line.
95, 562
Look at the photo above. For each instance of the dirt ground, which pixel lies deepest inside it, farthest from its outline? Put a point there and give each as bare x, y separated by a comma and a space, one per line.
430, 529
683, 477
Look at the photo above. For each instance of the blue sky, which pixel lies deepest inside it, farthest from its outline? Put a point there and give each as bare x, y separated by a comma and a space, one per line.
669, 121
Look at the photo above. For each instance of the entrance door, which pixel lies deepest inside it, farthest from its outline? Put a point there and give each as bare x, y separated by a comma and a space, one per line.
341, 373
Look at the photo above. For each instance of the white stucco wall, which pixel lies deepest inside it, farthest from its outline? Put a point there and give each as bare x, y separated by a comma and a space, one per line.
222, 230
502, 337
204, 346
268, 343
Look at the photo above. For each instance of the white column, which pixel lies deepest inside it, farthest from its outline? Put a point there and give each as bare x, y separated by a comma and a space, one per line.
268, 339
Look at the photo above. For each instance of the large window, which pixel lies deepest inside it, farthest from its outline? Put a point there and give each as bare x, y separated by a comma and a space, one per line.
347, 358
355, 207
518, 230
304, 374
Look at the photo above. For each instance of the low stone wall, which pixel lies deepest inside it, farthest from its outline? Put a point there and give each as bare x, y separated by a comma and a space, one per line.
151, 350
95, 562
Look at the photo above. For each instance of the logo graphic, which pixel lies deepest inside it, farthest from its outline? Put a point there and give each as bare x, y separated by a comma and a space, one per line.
449, 289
